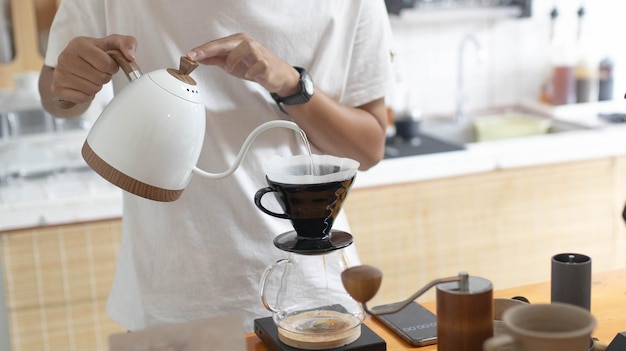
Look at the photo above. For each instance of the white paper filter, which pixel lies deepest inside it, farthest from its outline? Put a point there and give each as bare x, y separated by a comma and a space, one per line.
297, 169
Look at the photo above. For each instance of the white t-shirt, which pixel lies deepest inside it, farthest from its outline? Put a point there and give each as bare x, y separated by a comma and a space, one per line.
203, 255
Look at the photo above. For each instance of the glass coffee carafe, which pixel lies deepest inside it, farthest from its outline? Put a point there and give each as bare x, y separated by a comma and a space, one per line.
310, 307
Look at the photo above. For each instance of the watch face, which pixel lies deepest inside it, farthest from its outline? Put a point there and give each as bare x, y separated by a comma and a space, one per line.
309, 88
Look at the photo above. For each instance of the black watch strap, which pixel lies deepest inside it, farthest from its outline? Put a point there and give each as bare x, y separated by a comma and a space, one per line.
307, 89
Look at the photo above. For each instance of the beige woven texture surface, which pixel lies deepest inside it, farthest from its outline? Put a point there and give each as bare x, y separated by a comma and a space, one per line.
57, 281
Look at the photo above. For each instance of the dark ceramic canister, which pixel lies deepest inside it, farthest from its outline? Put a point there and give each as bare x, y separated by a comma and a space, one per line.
464, 314
571, 279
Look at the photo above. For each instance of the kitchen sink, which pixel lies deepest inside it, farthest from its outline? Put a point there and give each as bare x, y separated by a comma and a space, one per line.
464, 130
419, 145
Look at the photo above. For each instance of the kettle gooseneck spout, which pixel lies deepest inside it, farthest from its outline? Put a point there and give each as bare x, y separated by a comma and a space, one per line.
246, 145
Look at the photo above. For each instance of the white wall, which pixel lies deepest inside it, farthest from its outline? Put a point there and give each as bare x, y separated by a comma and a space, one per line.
516, 53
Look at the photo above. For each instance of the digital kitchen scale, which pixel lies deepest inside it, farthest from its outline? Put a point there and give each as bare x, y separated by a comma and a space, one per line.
266, 330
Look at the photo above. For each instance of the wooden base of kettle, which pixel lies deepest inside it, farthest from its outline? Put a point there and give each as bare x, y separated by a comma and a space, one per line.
126, 182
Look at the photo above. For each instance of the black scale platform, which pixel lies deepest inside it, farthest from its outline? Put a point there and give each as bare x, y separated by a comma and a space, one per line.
266, 330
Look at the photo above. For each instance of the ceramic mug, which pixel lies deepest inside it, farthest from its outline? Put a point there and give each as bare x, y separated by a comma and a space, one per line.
544, 327
501, 305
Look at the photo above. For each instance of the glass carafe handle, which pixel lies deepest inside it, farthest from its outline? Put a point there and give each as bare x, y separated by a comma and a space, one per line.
264, 279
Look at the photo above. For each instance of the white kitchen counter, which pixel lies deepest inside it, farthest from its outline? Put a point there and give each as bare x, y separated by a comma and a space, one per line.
58, 200
505, 154
81, 195
57, 187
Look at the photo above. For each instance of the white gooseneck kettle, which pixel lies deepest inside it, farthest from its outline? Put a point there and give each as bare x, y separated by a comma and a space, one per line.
148, 139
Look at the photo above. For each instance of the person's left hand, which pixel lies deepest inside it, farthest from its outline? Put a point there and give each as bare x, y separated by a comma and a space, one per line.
245, 58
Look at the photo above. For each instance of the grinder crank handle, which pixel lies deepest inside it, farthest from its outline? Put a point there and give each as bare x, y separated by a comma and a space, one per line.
362, 283
396, 307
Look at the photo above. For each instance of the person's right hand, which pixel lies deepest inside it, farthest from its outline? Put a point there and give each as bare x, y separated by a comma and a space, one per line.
84, 67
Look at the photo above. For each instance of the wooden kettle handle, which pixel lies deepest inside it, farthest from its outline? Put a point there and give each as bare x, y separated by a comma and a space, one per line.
131, 69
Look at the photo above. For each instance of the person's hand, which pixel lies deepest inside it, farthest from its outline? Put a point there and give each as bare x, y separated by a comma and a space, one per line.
84, 67
245, 58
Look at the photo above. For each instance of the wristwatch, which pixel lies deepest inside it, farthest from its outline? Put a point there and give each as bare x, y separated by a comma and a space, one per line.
307, 88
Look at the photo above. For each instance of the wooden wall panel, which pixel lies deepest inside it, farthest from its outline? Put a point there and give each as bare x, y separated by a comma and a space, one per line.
27, 16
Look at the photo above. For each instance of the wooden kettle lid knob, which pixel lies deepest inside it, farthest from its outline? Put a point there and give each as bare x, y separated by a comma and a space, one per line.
185, 67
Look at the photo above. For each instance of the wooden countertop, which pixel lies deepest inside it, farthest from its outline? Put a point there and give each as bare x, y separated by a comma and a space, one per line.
608, 303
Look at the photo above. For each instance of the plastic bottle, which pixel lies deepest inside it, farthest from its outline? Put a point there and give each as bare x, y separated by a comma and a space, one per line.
545, 95
605, 79
563, 60
586, 81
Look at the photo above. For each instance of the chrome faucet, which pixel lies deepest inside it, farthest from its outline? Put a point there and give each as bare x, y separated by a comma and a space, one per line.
460, 89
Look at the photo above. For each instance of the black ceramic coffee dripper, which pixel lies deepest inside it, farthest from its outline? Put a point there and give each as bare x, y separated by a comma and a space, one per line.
311, 191
309, 311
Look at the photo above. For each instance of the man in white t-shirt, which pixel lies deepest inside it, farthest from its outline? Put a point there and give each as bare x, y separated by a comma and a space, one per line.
203, 254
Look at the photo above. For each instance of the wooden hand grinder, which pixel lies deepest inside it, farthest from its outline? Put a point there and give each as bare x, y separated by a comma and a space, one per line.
464, 305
